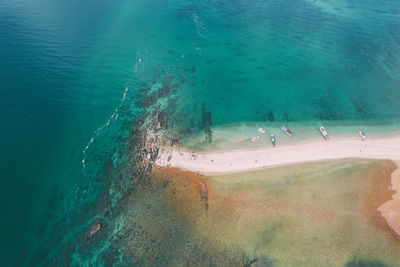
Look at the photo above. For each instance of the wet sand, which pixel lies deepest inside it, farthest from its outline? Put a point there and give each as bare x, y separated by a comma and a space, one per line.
379, 192
391, 209
312, 214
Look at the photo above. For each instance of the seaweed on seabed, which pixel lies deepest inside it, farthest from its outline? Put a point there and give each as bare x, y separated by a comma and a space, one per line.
271, 116
206, 123
365, 263
268, 116
360, 108
203, 193
251, 261
287, 117
326, 109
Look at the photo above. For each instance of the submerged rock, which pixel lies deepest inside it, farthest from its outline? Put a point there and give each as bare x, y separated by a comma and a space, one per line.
206, 124
93, 229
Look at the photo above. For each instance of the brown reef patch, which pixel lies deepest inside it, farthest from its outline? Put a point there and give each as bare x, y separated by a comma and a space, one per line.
282, 214
376, 192
187, 190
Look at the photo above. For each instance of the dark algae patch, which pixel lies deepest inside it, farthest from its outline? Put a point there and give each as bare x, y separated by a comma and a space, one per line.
366, 263
206, 124
171, 212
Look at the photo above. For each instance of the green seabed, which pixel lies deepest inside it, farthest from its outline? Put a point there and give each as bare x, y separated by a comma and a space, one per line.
319, 214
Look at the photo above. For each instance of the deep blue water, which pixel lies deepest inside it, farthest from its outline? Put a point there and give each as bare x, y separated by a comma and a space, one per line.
49, 113
65, 66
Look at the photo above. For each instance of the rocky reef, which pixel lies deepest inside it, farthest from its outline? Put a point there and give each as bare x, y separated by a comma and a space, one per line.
146, 215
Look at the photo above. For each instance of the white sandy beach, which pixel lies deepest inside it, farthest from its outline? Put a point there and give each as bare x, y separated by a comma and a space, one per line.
231, 161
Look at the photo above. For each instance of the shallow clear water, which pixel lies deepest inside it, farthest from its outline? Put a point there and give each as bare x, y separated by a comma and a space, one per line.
293, 60
71, 71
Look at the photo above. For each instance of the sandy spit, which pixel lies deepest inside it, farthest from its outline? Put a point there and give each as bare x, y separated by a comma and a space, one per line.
231, 161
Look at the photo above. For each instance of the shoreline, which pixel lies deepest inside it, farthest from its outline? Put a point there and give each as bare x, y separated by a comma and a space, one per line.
253, 159
389, 209
248, 159
237, 135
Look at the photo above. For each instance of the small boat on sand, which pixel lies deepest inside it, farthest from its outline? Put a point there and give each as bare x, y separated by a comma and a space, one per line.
287, 131
261, 130
323, 132
273, 140
362, 134
255, 139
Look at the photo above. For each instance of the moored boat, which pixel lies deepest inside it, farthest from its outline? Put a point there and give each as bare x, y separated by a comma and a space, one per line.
323, 132
255, 139
287, 131
362, 134
261, 130
273, 140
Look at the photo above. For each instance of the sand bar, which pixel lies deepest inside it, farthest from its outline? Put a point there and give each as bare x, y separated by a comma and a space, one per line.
221, 162
231, 161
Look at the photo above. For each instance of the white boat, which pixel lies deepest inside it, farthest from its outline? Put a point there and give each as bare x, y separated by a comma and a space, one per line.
255, 139
323, 132
261, 130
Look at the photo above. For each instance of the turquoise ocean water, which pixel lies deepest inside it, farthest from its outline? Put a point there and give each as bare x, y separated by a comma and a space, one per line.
72, 75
